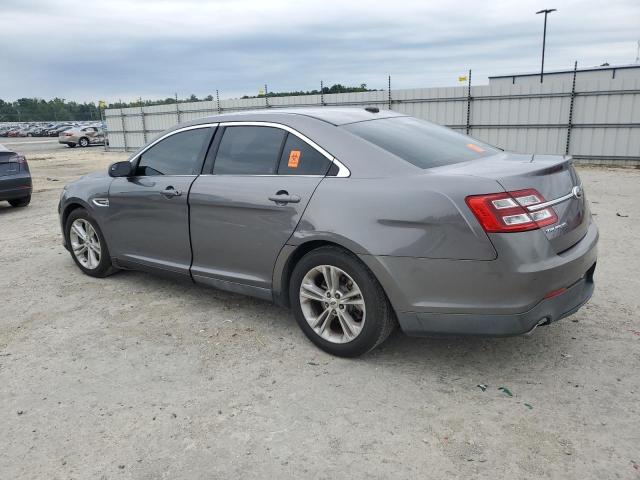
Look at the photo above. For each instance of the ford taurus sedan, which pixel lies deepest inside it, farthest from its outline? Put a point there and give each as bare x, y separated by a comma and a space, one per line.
357, 219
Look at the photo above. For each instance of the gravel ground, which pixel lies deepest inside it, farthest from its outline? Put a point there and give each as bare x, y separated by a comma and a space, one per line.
137, 376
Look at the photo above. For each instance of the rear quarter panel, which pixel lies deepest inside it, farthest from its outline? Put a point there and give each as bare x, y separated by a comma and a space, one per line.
411, 216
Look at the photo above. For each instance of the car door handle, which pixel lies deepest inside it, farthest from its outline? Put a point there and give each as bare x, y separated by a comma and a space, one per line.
284, 198
170, 192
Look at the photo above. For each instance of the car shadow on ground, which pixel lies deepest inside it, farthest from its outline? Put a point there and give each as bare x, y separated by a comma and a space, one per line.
468, 355
6, 209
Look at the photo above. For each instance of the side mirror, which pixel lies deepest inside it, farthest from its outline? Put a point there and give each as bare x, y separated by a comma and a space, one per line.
121, 169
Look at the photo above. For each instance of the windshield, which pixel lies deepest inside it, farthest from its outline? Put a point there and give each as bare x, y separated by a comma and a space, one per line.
419, 142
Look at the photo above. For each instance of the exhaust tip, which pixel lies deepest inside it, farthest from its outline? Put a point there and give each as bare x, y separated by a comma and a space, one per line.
542, 321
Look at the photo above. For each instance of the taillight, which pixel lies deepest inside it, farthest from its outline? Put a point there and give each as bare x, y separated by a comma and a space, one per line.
509, 211
22, 162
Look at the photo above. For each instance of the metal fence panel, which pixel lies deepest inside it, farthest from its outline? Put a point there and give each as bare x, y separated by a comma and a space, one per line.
598, 120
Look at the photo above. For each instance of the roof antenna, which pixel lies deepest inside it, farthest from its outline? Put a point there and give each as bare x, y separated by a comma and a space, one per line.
372, 109
638, 53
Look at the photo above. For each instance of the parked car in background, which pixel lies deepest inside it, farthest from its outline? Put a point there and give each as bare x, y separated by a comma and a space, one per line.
82, 136
15, 178
355, 218
34, 131
59, 129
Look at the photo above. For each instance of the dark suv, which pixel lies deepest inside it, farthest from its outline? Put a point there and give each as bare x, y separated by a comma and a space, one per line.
15, 178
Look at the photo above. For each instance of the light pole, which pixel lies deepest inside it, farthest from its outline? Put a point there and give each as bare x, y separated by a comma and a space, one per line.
544, 37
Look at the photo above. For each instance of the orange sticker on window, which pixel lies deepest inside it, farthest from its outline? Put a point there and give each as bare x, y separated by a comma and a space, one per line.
475, 148
294, 159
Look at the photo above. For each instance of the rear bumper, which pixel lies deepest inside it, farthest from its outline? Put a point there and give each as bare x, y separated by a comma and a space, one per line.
501, 297
15, 188
545, 312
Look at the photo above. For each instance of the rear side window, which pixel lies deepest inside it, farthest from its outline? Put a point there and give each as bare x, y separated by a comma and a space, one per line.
421, 143
247, 150
300, 158
178, 154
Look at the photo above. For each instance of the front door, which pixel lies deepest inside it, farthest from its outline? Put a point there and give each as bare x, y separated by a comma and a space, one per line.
245, 211
148, 221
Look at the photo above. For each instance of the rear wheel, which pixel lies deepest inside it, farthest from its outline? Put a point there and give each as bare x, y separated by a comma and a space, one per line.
87, 245
83, 142
338, 303
71, 145
20, 202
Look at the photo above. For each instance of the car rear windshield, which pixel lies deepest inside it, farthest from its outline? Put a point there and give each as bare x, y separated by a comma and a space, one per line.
421, 143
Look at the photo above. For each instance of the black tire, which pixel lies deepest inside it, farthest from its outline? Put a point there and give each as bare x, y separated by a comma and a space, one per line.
71, 145
380, 318
83, 142
105, 267
20, 202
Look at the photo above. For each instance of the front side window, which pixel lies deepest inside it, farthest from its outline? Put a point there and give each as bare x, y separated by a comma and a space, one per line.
300, 158
249, 150
178, 154
421, 143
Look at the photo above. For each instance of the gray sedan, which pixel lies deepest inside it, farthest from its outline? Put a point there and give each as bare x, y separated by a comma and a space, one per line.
356, 219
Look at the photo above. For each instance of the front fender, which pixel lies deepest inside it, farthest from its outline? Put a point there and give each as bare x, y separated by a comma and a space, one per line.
80, 194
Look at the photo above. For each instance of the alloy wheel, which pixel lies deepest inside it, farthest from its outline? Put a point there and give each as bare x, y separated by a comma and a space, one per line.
332, 304
85, 243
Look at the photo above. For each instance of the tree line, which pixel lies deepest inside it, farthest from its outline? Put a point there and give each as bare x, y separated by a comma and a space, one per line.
59, 109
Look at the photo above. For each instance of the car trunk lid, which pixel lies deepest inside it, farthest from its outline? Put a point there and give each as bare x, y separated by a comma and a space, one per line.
553, 176
9, 164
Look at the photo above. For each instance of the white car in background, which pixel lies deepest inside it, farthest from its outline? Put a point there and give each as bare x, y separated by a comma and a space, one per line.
83, 136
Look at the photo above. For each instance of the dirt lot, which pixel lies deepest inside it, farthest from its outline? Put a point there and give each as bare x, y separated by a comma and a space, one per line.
136, 376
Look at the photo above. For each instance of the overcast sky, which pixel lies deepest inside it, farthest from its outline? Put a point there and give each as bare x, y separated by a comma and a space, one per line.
90, 50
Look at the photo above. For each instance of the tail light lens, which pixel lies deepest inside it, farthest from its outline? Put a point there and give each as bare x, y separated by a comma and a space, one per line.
22, 162
508, 211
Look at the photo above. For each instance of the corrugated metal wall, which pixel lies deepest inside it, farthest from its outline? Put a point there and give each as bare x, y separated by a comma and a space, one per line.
603, 125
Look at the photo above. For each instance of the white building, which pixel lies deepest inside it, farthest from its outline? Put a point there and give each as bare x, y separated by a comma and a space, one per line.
592, 73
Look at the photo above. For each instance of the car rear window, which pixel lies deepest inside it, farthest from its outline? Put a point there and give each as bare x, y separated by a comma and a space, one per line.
421, 143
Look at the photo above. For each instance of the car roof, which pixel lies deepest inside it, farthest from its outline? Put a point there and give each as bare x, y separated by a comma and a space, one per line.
332, 115
319, 124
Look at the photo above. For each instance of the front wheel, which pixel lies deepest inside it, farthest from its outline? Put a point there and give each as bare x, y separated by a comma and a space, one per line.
87, 245
83, 142
339, 303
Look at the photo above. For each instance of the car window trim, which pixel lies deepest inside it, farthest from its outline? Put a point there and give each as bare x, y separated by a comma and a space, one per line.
136, 158
343, 171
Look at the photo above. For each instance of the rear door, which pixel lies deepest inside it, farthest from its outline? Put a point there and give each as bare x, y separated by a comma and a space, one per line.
245, 210
148, 221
